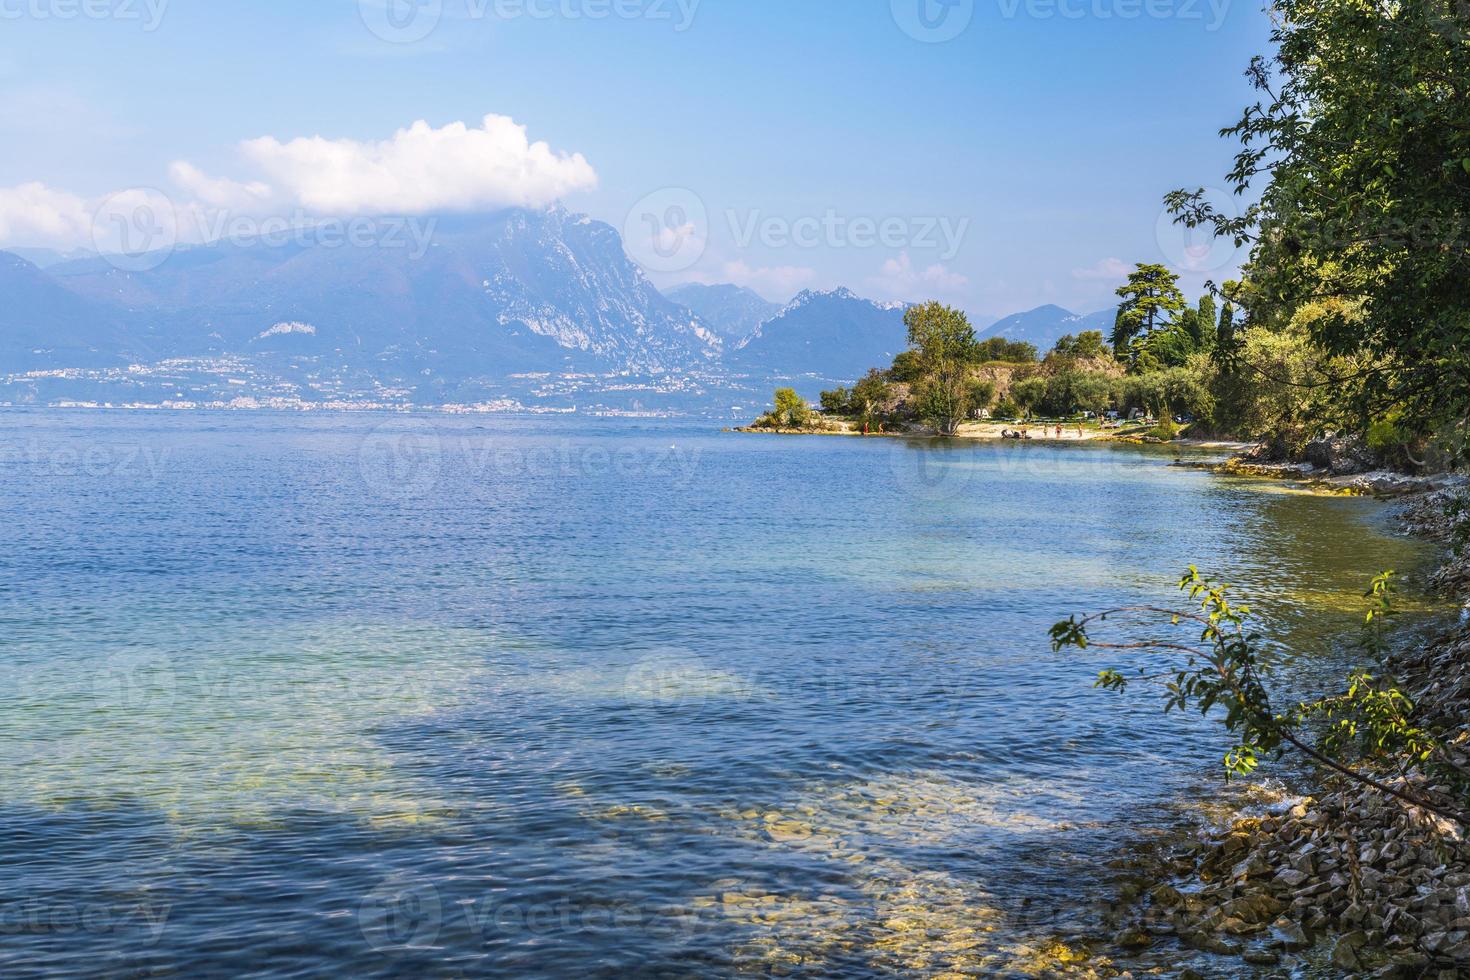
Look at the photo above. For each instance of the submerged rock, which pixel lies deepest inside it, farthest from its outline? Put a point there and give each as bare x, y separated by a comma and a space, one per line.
1384, 884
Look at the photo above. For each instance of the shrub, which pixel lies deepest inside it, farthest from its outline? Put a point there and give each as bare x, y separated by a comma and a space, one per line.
1165, 430
1385, 437
791, 411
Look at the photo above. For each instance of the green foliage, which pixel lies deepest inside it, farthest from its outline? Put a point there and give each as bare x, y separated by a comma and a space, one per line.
1149, 297
867, 398
1225, 330
1001, 349
1192, 332
1281, 389
1088, 344
1370, 721
1029, 393
945, 343
1362, 141
1387, 439
982, 393
1006, 409
1068, 391
1087, 390
1226, 673
1457, 516
1206, 320
836, 402
791, 411
1167, 430
940, 334
1169, 347
1182, 389
908, 367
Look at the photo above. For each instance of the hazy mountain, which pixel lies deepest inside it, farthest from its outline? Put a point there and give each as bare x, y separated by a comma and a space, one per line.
1045, 325
45, 258
516, 292
834, 335
43, 325
733, 312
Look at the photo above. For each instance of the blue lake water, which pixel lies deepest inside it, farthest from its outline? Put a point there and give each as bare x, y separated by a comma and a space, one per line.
449, 696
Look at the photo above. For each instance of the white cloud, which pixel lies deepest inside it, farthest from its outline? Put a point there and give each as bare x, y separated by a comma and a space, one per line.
422, 169
1108, 269
418, 170
219, 192
898, 279
37, 215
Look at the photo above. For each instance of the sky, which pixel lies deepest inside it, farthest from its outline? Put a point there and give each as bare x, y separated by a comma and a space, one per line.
995, 154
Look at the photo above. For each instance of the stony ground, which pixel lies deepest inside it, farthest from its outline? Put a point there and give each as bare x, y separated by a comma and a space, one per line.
1351, 883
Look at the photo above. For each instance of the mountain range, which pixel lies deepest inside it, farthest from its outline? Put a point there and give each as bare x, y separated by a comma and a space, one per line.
1045, 325
835, 335
523, 304
734, 312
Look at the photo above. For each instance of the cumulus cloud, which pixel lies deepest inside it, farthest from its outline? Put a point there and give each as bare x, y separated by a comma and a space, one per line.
418, 170
34, 214
422, 169
1107, 269
899, 279
219, 192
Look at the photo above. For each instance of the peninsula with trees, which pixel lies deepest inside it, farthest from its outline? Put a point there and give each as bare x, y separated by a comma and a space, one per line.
1346, 338
1160, 372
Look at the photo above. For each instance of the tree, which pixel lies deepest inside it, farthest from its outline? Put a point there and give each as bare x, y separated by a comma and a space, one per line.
1362, 141
1172, 346
1206, 317
1092, 391
1029, 393
1215, 663
867, 398
945, 346
1225, 332
791, 409
1088, 344
1150, 297
1277, 393
1001, 349
907, 367
982, 393
836, 402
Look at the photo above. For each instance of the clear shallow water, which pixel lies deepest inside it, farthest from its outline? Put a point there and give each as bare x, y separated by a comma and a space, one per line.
454, 696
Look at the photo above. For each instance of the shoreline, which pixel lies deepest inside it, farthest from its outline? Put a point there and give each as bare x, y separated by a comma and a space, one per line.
993, 432
1348, 880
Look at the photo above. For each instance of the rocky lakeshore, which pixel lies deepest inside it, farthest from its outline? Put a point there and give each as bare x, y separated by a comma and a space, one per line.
1353, 882
1339, 465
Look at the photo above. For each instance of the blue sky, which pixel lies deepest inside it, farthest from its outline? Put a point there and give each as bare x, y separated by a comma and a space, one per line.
807, 144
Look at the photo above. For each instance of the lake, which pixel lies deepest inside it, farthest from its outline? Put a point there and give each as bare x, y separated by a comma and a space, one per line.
443, 696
